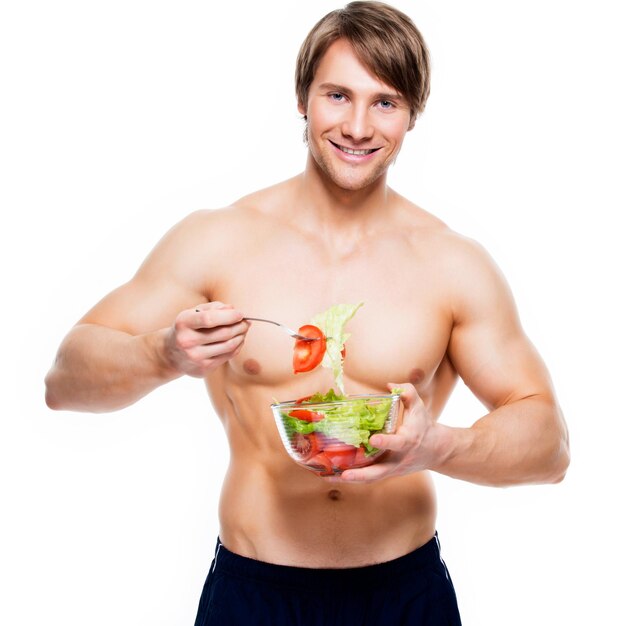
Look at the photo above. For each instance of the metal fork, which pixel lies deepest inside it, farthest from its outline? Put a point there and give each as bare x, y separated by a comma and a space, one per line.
284, 328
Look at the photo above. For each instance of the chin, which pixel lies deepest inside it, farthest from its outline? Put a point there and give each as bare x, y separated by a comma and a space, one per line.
356, 184
353, 183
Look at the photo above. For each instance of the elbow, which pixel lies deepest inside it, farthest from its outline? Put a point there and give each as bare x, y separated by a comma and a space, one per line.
559, 453
56, 396
52, 399
562, 465
561, 462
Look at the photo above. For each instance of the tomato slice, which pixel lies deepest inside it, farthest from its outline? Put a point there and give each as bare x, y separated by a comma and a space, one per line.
321, 462
341, 455
305, 446
303, 399
306, 415
343, 352
361, 459
308, 354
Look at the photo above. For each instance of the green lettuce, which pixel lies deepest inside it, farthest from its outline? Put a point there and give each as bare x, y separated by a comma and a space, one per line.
332, 322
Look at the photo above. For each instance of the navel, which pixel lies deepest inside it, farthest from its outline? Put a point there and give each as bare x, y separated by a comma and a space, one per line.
251, 366
416, 375
334, 494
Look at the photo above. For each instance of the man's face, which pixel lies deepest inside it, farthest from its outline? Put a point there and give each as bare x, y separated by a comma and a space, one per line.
348, 108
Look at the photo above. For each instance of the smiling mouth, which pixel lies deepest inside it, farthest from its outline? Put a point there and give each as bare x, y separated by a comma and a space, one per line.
355, 152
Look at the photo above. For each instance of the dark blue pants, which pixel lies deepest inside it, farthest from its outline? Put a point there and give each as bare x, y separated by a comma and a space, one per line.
415, 589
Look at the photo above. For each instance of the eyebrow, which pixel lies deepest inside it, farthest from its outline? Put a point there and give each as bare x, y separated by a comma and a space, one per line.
381, 95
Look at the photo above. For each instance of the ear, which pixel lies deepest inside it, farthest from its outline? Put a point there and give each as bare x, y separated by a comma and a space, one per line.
411, 124
301, 108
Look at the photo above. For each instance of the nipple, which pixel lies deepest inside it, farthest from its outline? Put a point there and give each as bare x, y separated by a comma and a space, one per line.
416, 375
251, 366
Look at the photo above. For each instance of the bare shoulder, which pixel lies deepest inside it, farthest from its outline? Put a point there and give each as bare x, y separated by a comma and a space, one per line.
450, 248
202, 235
463, 268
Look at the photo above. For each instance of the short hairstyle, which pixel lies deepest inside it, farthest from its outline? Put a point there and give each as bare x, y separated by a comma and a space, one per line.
386, 42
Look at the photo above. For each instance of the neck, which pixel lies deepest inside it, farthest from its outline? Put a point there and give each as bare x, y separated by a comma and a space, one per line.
324, 203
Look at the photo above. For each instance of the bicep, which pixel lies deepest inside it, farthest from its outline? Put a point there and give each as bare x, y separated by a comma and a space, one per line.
141, 306
488, 345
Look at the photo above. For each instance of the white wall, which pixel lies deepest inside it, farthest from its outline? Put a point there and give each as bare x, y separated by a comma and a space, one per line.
118, 118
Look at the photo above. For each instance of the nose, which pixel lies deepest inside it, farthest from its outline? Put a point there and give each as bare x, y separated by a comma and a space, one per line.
357, 124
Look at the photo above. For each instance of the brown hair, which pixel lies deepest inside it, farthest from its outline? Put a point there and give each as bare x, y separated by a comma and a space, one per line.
386, 42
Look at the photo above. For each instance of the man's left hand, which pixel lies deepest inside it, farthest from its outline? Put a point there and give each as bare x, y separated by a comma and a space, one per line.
418, 444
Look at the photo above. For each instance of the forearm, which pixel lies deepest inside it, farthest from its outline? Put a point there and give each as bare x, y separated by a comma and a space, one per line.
100, 369
524, 442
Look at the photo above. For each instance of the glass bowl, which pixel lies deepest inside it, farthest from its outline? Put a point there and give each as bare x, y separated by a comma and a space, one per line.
330, 437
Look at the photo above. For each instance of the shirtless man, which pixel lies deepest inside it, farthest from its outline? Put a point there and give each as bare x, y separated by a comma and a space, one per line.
436, 307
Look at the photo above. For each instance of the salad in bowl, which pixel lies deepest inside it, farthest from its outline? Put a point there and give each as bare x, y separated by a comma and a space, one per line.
330, 433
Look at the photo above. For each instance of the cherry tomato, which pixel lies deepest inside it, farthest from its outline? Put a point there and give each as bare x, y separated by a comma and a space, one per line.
306, 415
308, 354
306, 446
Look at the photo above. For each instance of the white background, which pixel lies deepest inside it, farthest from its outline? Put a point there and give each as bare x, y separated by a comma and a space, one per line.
120, 117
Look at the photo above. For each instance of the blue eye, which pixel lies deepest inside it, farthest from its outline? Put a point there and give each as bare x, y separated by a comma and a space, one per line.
390, 104
336, 96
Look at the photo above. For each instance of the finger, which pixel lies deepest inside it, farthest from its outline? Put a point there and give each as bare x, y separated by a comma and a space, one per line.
213, 317
394, 442
215, 304
209, 351
210, 364
408, 392
372, 473
223, 333
411, 404
222, 358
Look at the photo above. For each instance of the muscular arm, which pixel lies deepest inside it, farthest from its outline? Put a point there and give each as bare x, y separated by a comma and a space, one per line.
147, 332
100, 369
523, 438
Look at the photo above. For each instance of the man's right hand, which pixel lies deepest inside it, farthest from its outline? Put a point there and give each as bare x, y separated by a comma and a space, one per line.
204, 337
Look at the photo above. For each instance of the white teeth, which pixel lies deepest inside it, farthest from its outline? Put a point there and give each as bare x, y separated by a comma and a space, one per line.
356, 152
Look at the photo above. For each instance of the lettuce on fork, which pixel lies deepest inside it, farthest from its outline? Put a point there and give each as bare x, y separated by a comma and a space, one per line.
332, 322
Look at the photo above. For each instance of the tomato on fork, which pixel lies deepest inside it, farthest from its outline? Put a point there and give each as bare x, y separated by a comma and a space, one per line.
308, 354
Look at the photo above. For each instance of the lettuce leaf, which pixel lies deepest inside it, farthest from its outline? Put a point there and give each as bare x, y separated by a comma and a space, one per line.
332, 322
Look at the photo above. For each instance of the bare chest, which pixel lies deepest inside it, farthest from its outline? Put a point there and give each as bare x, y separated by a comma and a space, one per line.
400, 333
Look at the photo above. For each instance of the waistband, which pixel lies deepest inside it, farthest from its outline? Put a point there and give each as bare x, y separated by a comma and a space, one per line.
317, 578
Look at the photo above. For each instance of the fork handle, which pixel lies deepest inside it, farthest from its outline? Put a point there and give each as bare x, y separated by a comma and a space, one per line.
259, 319
284, 328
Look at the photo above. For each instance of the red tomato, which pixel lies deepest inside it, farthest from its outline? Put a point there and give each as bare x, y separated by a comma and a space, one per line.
303, 399
341, 455
306, 415
306, 446
343, 353
361, 459
308, 354
321, 461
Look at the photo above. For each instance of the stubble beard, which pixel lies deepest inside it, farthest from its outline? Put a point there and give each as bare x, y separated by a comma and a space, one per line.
354, 183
